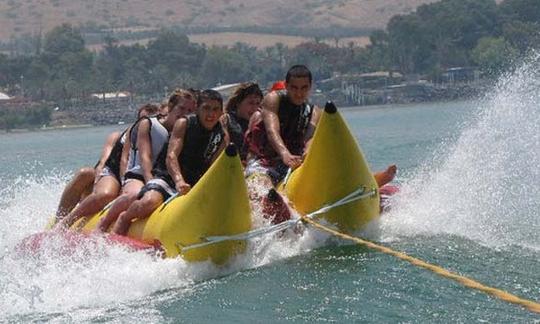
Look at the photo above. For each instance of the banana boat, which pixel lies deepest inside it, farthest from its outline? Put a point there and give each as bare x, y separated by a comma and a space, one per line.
217, 205
334, 167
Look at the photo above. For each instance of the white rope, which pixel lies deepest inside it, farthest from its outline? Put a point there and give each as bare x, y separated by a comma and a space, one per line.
243, 236
287, 176
353, 196
358, 194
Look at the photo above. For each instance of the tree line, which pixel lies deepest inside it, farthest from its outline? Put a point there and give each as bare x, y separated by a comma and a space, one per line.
24, 118
449, 33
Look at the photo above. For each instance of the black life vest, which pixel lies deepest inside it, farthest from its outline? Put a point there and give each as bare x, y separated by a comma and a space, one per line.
237, 128
200, 145
293, 123
113, 161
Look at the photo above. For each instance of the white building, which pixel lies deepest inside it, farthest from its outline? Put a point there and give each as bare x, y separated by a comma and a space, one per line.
111, 95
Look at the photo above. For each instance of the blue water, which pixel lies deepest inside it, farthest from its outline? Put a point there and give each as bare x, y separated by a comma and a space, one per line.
470, 199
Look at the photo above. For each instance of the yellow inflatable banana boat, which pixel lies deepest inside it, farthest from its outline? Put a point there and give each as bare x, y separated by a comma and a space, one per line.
334, 168
217, 205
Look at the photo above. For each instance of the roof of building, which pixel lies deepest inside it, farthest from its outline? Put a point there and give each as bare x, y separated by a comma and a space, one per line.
111, 95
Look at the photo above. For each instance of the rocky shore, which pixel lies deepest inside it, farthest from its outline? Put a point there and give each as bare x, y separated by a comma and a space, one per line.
124, 110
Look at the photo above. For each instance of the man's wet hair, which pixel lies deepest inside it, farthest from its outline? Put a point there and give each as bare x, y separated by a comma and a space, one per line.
209, 94
298, 71
151, 109
179, 94
241, 93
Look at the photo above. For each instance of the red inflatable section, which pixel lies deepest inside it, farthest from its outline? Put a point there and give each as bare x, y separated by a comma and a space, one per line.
71, 241
133, 244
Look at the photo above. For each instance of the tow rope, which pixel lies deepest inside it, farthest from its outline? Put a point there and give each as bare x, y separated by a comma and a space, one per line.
358, 194
501, 294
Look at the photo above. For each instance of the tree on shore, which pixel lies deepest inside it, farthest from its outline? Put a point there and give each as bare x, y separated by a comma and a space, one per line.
439, 35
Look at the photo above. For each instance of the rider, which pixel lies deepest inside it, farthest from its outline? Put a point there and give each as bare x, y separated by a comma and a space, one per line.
108, 182
82, 184
195, 143
244, 102
146, 141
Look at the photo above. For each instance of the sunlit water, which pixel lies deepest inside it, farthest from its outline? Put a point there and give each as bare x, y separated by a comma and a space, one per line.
469, 202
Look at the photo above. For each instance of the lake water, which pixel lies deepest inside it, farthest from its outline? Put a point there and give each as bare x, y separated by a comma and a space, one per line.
470, 202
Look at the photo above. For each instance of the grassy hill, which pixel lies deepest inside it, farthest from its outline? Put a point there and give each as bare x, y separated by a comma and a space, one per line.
19, 17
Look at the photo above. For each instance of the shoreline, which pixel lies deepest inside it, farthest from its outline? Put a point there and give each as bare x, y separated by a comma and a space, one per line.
45, 129
344, 108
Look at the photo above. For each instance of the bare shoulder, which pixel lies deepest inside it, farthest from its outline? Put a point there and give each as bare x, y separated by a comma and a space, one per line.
180, 126
271, 101
144, 124
113, 137
255, 118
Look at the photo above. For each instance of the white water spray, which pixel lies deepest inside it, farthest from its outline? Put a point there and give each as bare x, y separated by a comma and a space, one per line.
487, 186
98, 279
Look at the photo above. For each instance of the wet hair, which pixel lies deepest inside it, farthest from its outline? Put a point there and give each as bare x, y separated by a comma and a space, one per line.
242, 92
209, 94
164, 105
196, 93
151, 109
298, 71
179, 94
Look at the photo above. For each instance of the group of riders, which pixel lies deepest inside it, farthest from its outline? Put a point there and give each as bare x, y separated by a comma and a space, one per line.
169, 148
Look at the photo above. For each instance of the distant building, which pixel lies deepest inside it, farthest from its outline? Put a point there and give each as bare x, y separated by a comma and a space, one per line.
357, 88
226, 90
4, 96
111, 95
461, 75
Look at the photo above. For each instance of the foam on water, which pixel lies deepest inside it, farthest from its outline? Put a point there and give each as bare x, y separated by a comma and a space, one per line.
483, 186
98, 280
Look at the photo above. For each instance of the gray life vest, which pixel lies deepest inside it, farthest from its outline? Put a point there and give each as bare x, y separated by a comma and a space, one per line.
158, 137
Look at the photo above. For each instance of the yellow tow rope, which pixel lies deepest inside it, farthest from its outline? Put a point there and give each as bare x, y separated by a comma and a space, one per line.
530, 305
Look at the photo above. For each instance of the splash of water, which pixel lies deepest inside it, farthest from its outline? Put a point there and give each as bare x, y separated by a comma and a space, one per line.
484, 186
98, 279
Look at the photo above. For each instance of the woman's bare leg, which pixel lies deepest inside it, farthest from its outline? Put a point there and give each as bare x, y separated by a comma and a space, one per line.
122, 203
81, 184
140, 209
105, 190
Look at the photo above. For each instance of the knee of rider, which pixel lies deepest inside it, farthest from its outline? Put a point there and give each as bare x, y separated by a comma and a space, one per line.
86, 173
124, 217
106, 196
148, 203
132, 196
